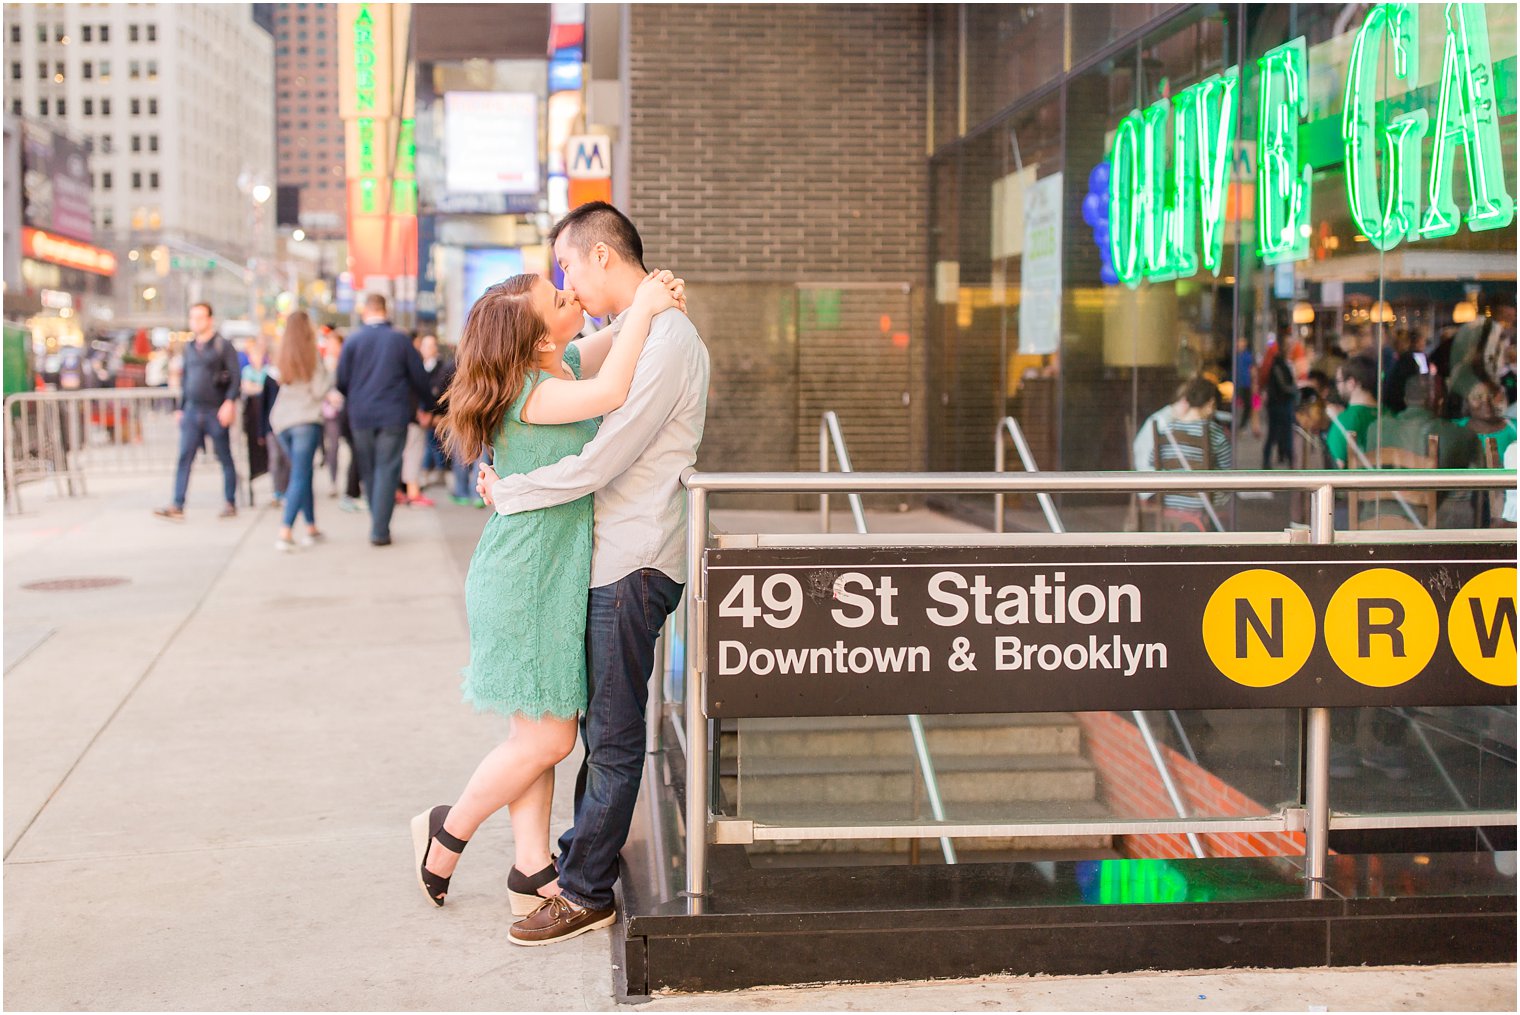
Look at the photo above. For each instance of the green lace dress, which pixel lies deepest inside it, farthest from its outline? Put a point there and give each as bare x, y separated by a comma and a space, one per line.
526, 591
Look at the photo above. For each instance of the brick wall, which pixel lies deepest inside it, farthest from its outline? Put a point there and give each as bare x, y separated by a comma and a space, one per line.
1130, 786
772, 145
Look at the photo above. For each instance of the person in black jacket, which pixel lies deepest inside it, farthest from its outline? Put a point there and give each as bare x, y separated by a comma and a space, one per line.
1280, 393
379, 373
208, 404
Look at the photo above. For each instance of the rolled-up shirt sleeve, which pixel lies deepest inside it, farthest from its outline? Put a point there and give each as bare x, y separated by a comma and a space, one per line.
625, 432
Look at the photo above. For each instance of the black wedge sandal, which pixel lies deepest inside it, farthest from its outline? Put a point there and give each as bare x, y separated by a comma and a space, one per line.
427, 827
523, 888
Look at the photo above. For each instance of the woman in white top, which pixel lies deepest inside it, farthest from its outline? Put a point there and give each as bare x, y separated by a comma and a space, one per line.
296, 420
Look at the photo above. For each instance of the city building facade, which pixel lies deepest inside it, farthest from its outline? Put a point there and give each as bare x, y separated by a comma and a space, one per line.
176, 104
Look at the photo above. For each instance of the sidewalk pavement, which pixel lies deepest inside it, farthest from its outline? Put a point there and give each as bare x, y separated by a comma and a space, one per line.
209, 769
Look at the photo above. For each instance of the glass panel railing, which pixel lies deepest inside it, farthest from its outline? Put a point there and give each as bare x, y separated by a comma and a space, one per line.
1422, 760
1025, 769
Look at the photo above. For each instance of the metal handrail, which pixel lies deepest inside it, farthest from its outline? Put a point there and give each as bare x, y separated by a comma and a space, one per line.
829, 433
1303, 481
1361, 457
828, 429
61, 420
1011, 427
1313, 819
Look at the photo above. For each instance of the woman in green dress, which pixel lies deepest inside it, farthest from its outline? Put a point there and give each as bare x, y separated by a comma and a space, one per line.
530, 391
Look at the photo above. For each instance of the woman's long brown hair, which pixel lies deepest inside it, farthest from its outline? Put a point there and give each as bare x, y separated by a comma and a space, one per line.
297, 359
496, 354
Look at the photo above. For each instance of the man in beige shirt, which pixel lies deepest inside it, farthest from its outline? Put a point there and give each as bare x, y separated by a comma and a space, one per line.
638, 562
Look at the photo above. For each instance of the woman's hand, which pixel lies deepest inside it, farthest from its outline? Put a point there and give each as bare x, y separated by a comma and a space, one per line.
658, 293
484, 482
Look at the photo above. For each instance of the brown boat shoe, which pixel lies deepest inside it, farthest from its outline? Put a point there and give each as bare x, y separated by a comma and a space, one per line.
558, 919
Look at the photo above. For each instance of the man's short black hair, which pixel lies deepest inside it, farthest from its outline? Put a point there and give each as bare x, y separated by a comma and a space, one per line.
1362, 370
598, 222
209, 311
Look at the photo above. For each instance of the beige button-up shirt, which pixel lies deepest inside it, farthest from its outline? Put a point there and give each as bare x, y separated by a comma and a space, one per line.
634, 463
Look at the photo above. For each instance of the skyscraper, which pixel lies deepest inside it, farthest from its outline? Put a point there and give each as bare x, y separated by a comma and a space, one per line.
175, 102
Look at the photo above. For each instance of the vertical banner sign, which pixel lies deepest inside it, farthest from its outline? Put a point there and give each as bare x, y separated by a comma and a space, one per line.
1040, 269
921, 630
379, 160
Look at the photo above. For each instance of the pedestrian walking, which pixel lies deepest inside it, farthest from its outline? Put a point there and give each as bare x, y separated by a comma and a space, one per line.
332, 411
380, 374
528, 390
296, 419
419, 436
1245, 371
210, 383
1280, 397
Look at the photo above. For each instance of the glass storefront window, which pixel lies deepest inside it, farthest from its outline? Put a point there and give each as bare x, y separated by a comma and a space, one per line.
1283, 307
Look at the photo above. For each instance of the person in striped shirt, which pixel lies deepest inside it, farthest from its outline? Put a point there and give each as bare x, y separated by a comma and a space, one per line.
1181, 447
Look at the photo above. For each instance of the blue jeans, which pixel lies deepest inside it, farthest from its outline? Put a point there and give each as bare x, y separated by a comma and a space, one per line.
195, 425
378, 449
300, 446
623, 620
464, 478
432, 451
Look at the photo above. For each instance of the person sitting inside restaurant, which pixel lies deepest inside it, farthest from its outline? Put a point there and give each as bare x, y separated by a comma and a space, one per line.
1411, 429
1356, 382
1486, 417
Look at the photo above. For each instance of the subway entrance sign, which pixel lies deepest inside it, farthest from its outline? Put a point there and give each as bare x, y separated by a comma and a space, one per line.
930, 630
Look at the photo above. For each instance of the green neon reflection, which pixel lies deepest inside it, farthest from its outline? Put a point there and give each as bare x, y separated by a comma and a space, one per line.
1150, 198
1282, 189
1384, 222
1214, 115
1123, 218
1155, 211
1181, 222
1469, 115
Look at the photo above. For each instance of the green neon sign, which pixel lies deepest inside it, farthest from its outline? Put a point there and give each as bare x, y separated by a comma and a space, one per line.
364, 61
1469, 116
1387, 220
1156, 210
1159, 209
1282, 191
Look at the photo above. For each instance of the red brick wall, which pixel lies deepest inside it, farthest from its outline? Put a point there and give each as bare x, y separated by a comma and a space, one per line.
1131, 786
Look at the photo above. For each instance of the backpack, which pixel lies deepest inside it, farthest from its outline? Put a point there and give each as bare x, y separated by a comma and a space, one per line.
221, 379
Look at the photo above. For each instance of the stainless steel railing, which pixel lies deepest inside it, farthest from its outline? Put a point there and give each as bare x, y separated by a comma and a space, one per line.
1313, 818
72, 437
1015, 433
829, 436
1011, 428
830, 427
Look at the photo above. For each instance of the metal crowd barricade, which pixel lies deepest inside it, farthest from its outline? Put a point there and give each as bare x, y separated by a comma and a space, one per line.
71, 437
1313, 818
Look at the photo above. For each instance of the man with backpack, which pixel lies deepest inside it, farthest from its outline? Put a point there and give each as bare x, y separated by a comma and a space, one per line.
383, 383
209, 391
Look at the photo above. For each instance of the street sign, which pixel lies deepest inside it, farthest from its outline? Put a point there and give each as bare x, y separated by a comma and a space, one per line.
893, 631
187, 262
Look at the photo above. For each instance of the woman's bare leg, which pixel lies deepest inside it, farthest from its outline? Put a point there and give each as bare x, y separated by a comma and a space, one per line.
530, 824
510, 770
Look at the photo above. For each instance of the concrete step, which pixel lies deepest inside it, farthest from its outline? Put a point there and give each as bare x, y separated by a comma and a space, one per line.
962, 779
1038, 733
1048, 846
